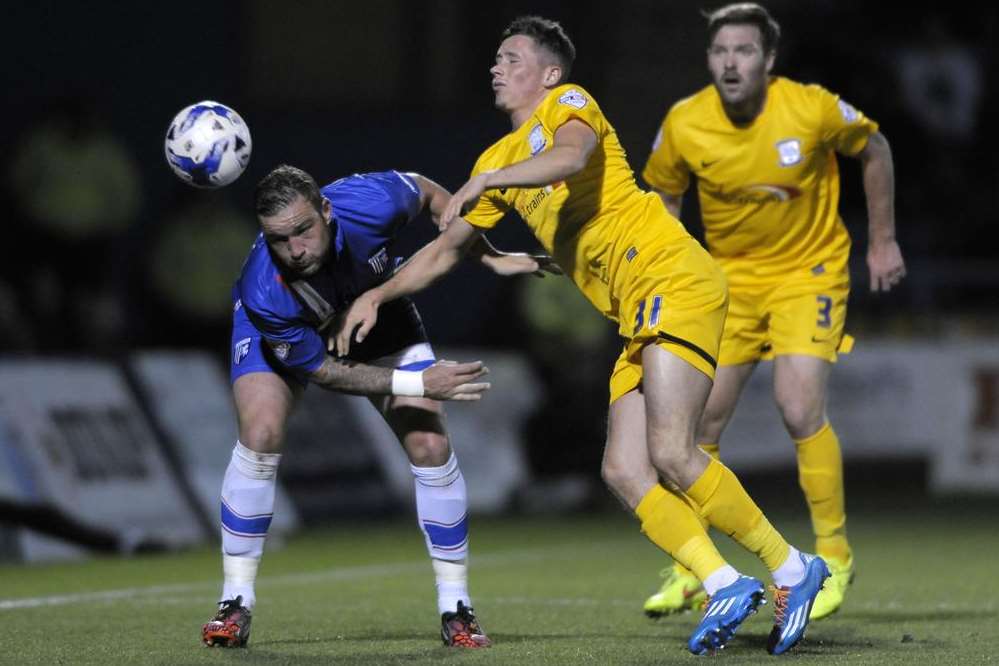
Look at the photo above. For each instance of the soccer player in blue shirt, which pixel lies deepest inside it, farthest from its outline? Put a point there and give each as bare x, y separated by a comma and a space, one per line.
318, 249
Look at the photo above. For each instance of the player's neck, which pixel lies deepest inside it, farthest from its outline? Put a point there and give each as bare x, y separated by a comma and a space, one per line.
521, 115
745, 112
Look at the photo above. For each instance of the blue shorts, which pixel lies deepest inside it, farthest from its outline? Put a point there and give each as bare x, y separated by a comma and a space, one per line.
398, 340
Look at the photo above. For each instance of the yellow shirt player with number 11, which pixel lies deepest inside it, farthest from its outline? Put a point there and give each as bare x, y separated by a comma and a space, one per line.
764, 152
564, 172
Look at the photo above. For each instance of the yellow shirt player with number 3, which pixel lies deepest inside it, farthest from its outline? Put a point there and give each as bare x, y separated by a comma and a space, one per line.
764, 152
564, 172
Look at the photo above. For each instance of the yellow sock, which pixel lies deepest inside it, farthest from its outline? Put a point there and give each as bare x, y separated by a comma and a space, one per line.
820, 473
728, 507
712, 450
672, 524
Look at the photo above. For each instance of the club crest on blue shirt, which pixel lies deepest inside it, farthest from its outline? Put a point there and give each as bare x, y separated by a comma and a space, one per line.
573, 98
379, 261
536, 139
789, 152
280, 349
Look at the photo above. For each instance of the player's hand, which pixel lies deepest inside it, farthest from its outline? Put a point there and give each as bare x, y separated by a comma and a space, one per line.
884, 260
447, 380
518, 263
360, 318
464, 199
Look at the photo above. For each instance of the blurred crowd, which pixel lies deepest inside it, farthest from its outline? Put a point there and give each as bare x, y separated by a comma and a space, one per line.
92, 263
104, 251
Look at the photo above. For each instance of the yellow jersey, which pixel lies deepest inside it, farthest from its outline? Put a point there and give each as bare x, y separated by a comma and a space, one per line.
769, 191
595, 223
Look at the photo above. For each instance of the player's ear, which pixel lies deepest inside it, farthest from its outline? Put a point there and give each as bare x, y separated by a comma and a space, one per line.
327, 210
771, 57
553, 75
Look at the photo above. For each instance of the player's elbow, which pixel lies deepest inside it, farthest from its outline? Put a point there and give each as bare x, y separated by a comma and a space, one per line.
577, 159
877, 148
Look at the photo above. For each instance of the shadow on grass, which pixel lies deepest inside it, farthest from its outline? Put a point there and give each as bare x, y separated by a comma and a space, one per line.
895, 616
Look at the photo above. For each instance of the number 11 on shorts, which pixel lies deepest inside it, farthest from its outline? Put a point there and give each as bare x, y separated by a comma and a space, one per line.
657, 302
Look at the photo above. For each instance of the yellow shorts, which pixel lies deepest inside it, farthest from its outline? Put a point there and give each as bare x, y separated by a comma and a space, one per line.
804, 313
677, 300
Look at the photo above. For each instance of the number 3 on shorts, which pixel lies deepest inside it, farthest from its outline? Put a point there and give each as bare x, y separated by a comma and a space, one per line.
825, 311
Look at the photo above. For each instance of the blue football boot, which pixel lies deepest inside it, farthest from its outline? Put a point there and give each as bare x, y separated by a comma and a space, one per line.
792, 605
724, 612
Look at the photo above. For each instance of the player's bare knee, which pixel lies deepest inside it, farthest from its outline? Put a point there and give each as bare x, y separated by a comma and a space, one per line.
668, 467
626, 480
801, 418
426, 449
262, 437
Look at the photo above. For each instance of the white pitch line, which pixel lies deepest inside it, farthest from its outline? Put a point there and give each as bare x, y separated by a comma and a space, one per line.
340, 573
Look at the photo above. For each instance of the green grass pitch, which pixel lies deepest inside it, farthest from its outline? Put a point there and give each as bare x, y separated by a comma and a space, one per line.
547, 590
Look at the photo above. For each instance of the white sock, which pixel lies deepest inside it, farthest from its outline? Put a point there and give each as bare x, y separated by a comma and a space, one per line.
239, 574
442, 511
247, 507
792, 571
452, 584
721, 577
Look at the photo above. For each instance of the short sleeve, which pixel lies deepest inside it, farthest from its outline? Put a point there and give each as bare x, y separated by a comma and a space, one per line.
573, 103
843, 128
405, 194
491, 206
666, 169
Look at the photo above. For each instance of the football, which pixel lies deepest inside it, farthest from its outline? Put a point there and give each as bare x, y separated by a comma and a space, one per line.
208, 145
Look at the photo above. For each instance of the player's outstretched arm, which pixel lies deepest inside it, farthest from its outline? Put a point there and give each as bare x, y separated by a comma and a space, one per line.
513, 263
570, 151
429, 264
434, 198
445, 380
884, 257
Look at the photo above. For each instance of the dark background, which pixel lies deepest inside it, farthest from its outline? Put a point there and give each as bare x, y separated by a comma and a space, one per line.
104, 251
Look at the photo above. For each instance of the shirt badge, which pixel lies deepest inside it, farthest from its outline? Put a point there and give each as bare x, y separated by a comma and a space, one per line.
849, 113
240, 350
281, 349
789, 152
379, 261
536, 139
573, 98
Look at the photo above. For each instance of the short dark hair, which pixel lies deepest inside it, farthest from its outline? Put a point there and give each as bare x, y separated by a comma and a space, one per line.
549, 35
278, 189
745, 13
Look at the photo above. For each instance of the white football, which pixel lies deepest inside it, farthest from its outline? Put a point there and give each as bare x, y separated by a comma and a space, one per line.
208, 145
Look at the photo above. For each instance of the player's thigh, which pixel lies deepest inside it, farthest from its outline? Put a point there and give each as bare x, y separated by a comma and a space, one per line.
627, 468
675, 395
419, 425
722, 400
264, 401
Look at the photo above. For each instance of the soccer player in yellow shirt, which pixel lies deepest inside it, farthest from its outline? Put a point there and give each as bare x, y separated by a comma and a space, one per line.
562, 169
764, 149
